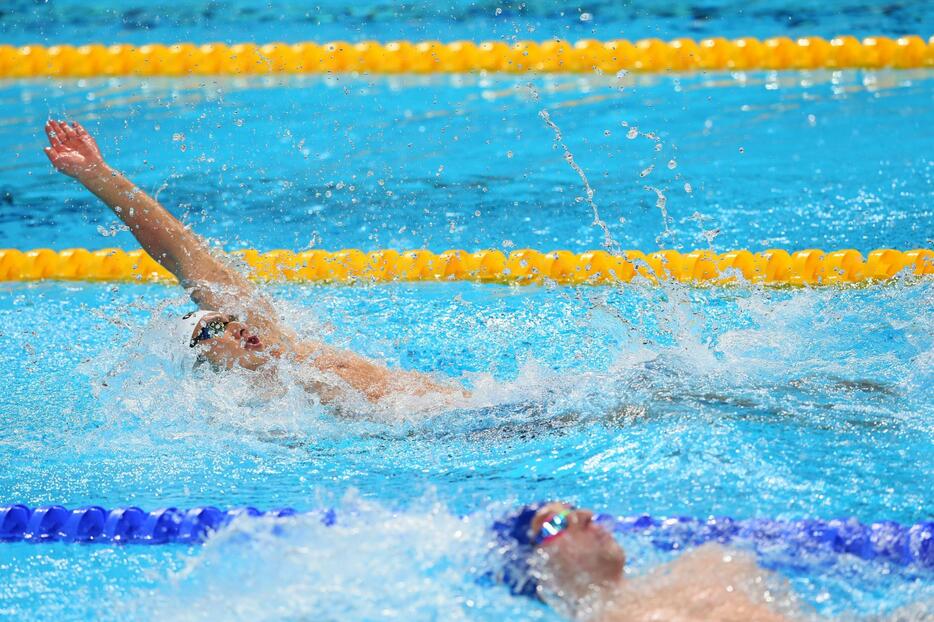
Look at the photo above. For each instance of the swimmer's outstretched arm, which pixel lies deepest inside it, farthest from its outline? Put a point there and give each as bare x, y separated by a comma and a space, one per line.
212, 284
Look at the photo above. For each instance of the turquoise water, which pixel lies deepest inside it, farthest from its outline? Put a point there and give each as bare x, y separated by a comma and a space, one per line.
699, 403
468, 162
75, 22
742, 402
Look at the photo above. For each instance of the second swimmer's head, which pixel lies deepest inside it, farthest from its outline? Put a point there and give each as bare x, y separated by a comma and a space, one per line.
556, 548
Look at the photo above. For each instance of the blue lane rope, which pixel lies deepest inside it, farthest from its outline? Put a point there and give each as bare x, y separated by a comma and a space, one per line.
887, 540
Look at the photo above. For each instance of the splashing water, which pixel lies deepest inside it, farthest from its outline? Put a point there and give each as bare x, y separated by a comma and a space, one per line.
615, 364
609, 243
746, 401
377, 562
661, 202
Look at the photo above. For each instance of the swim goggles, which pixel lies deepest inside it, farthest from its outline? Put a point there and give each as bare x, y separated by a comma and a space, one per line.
553, 527
214, 328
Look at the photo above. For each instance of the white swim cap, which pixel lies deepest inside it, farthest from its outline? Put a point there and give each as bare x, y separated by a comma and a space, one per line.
175, 341
184, 328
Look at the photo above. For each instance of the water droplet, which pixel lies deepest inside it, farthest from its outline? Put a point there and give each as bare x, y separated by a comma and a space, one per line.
498, 11
688, 188
742, 150
632, 133
606, 132
586, 17
509, 154
647, 171
672, 165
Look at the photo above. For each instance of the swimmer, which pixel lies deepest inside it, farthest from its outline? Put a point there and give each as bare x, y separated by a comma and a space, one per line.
236, 326
557, 553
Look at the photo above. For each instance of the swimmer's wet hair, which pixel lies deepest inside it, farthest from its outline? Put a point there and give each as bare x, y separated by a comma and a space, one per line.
516, 548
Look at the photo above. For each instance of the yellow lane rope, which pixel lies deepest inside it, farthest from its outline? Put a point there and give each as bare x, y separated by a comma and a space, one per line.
588, 55
526, 266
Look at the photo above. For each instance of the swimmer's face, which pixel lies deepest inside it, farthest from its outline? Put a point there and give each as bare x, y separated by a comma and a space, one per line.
582, 556
226, 342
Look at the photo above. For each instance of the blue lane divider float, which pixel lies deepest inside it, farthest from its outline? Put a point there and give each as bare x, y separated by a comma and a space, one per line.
887, 541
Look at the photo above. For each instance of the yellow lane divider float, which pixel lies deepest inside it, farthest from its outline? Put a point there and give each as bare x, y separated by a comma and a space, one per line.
527, 266
588, 55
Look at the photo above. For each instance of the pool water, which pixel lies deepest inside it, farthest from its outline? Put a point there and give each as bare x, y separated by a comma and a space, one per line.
742, 401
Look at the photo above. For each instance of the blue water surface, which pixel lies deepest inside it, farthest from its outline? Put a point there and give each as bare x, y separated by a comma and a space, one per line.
744, 401
200, 21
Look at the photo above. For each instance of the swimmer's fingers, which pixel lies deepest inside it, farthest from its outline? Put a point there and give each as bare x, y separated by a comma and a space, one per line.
82, 134
70, 133
54, 126
54, 139
65, 150
79, 130
51, 134
61, 133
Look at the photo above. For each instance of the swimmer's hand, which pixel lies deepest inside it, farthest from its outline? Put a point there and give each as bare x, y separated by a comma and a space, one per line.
72, 150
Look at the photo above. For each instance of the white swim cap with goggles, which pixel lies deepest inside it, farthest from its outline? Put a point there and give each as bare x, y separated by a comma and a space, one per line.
179, 338
186, 326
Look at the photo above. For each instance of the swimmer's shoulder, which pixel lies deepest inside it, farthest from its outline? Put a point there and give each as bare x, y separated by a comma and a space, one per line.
710, 582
